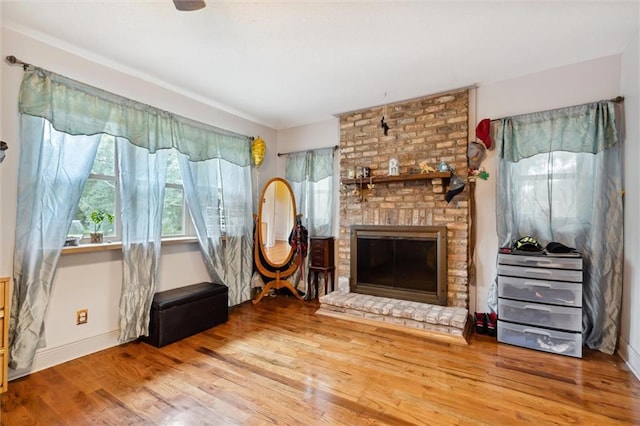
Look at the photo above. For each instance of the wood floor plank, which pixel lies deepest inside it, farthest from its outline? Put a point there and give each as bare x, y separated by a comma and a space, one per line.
278, 363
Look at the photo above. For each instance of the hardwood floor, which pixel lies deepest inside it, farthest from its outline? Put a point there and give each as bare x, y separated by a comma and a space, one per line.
278, 363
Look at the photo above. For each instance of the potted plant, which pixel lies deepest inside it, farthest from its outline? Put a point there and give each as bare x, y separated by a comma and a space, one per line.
98, 216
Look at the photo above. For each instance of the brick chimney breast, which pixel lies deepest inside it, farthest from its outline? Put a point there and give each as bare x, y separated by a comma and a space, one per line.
432, 129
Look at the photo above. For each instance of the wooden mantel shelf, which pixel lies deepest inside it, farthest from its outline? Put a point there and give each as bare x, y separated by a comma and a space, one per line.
400, 178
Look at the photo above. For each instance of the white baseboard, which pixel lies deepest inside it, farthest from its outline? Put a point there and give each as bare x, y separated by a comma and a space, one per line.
630, 356
48, 357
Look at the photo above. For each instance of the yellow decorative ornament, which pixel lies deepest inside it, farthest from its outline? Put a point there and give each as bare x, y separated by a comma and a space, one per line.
258, 148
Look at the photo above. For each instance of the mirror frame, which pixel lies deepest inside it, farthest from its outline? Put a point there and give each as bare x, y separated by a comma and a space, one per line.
259, 235
278, 272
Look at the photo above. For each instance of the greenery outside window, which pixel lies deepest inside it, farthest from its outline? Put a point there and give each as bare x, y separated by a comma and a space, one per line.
174, 217
101, 192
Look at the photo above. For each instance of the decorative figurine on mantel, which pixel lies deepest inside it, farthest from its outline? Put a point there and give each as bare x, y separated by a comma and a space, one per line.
394, 168
426, 168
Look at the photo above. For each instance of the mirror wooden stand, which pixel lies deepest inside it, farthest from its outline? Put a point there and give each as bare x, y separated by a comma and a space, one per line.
273, 255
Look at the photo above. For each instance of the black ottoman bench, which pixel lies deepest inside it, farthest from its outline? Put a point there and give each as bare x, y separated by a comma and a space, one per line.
185, 311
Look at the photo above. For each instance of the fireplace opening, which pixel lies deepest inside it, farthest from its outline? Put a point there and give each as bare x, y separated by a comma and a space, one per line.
402, 262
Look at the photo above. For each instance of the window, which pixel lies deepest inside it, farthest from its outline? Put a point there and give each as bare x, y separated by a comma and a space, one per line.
101, 192
175, 212
216, 213
550, 187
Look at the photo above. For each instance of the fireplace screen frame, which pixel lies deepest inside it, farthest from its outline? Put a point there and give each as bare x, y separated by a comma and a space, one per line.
438, 234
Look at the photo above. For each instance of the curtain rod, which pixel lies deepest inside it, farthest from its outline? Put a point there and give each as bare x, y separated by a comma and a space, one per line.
617, 99
280, 154
15, 61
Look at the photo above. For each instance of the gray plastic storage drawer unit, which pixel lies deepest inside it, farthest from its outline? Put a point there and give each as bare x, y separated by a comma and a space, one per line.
540, 302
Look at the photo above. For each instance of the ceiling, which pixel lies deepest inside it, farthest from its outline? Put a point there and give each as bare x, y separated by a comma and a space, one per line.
290, 63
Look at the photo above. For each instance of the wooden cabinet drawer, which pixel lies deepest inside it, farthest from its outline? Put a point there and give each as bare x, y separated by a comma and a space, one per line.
2, 285
317, 259
317, 244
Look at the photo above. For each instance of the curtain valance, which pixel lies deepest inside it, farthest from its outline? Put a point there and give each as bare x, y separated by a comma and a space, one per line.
583, 128
314, 165
79, 109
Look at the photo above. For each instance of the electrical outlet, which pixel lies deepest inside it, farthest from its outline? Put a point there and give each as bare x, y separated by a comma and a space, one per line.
82, 316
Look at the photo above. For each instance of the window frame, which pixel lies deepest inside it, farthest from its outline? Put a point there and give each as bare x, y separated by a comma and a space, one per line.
188, 230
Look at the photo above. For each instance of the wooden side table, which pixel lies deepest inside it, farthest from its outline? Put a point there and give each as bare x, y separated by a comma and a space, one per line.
321, 256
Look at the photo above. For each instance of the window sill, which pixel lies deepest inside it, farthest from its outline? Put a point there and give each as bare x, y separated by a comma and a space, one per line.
89, 247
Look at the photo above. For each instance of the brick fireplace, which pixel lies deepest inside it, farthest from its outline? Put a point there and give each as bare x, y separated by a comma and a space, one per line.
429, 129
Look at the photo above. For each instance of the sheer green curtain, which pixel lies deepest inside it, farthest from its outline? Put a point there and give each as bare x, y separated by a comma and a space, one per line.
310, 174
219, 197
50, 185
142, 185
53, 170
559, 179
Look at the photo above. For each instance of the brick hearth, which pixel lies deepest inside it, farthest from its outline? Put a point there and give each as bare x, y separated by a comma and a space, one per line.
445, 323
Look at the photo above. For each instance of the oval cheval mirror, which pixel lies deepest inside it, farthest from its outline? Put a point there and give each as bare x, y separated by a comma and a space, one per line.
274, 256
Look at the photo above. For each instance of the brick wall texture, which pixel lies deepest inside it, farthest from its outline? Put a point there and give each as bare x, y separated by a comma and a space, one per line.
430, 129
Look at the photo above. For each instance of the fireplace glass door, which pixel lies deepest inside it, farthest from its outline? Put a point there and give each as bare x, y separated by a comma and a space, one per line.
400, 262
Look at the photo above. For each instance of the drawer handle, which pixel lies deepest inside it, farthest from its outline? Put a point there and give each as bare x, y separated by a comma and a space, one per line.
538, 308
534, 331
538, 271
532, 284
538, 260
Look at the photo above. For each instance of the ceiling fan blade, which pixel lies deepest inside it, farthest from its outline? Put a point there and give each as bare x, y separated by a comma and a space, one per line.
189, 5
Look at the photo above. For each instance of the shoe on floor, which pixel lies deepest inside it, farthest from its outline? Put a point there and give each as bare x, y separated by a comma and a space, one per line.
480, 320
492, 323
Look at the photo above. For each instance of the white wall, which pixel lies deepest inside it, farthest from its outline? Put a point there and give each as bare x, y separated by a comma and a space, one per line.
317, 135
629, 345
93, 280
323, 134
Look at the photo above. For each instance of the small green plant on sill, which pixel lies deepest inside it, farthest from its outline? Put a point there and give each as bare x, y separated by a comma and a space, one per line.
98, 216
